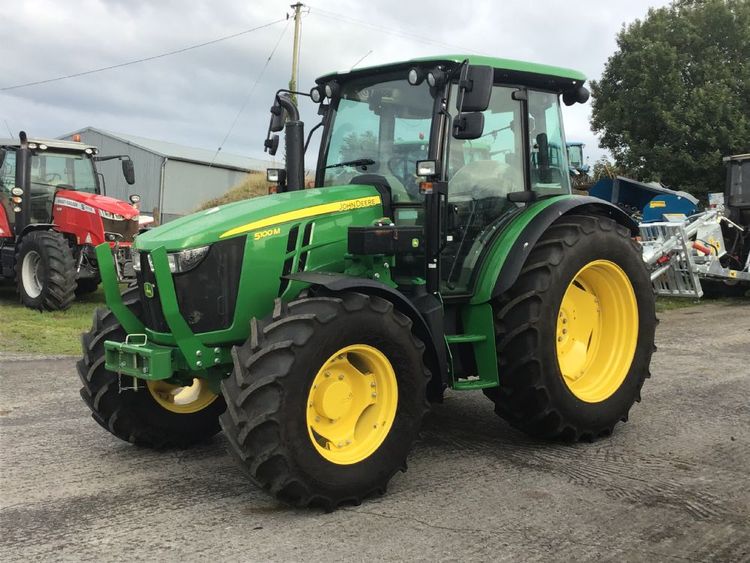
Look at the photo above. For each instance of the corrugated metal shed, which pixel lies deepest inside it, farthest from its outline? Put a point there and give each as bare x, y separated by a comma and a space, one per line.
172, 179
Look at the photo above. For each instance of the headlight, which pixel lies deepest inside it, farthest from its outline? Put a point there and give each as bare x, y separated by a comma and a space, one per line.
136, 256
111, 216
186, 260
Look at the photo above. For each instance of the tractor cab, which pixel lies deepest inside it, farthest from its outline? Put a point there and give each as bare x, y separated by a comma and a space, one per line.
576, 158
489, 133
55, 165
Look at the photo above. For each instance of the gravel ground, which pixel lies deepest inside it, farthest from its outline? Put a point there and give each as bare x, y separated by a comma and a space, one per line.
671, 484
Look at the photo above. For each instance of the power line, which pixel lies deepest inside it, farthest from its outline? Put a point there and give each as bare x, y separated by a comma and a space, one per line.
175, 52
250, 93
388, 30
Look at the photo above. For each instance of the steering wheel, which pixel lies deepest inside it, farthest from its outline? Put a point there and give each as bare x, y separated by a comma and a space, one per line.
51, 177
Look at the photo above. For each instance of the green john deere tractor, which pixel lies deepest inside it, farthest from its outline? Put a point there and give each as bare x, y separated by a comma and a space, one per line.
315, 326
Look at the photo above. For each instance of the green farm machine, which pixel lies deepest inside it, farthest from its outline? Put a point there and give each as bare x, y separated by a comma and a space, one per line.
315, 326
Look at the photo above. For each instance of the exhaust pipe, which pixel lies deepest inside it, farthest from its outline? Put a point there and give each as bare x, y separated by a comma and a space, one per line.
294, 133
23, 176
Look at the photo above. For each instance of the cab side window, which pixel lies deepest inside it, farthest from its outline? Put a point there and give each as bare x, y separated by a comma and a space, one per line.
492, 165
549, 166
8, 173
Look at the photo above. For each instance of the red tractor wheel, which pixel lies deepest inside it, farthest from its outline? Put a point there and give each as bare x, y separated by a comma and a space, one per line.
45, 271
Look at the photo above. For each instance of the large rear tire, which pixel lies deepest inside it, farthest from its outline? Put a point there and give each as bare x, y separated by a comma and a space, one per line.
157, 415
326, 399
45, 270
575, 333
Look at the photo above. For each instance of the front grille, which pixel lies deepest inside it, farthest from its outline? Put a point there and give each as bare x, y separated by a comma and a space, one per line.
206, 295
124, 231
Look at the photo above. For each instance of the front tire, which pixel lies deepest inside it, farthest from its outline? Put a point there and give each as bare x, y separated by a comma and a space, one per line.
326, 399
575, 333
45, 270
158, 415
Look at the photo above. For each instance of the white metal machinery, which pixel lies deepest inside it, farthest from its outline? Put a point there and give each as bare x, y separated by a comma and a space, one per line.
682, 251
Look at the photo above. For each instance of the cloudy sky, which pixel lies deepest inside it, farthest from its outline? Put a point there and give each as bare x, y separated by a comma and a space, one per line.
194, 97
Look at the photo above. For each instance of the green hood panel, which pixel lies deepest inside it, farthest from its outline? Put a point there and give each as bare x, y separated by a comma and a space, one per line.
255, 215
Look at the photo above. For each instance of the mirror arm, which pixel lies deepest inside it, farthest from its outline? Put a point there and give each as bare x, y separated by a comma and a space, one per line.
112, 157
462, 80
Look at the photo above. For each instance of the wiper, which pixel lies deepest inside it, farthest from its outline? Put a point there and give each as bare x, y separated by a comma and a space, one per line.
358, 162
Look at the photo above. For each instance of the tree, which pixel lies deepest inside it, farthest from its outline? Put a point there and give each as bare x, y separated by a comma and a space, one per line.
603, 168
675, 96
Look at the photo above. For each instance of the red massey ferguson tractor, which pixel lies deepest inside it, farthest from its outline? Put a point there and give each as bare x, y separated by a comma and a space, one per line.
53, 214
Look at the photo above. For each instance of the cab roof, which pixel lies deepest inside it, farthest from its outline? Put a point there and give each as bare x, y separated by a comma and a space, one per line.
51, 144
506, 70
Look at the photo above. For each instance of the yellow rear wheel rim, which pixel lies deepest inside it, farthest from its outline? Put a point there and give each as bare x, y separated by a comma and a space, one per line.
352, 404
597, 331
182, 399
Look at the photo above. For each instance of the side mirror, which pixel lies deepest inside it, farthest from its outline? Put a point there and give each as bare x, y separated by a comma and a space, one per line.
577, 95
468, 125
128, 171
476, 83
277, 119
271, 145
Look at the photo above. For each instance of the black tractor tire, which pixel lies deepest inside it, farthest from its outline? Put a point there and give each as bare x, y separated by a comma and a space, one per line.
533, 395
86, 285
45, 271
267, 397
134, 416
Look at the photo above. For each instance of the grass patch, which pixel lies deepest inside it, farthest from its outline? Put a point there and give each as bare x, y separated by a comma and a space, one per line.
51, 332
671, 303
253, 186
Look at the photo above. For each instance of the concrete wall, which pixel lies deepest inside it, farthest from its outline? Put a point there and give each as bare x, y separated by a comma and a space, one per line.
188, 185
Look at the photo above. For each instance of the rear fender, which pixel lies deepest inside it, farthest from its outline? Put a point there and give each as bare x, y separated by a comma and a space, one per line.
511, 248
435, 348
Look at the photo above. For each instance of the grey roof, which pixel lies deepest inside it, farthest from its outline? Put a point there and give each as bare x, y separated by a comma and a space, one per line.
173, 151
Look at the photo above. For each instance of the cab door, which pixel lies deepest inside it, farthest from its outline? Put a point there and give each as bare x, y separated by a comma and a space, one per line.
482, 172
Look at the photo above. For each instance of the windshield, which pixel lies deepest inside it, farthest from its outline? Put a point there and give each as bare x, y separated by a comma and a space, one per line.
63, 171
51, 171
380, 127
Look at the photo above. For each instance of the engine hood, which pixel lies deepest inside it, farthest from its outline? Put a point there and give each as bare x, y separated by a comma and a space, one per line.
252, 215
102, 202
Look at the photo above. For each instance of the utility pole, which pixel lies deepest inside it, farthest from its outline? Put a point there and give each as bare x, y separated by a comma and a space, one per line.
295, 52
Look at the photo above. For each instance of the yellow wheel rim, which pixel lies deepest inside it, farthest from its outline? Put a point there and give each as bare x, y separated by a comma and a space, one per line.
184, 399
597, 331
352, 404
